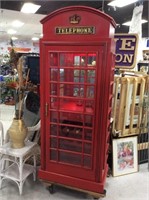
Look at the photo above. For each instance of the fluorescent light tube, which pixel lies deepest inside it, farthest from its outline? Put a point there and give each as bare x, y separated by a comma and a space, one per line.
14, 38
35, 38
121, 3
129, 22
17, 23
29, 8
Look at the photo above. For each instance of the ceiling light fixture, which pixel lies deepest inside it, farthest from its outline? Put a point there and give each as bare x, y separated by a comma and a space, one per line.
29, 8
35, 38
14, 38
121, 3
11, 31
17, 23
129, 22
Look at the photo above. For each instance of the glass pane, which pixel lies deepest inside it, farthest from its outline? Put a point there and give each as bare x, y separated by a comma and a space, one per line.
90, 92
89, 106
88, 120
71, 118
70, 145
70, 90
53, 59
61, 88
79, 76
87, 148
71, 105
53, 89
78, 90
87, 161
76, 79
53, 116
88, 134
83, 60
79, 60
54, 74
66, 75
53, 155
70, 75
53, 129
91, 59
54, 103
66, 59
53, 142
91, 76
62, 75
71, 132
91, 73
70, 158
66, 90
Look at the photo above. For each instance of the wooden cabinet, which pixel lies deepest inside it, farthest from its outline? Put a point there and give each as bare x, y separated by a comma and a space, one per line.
77, 69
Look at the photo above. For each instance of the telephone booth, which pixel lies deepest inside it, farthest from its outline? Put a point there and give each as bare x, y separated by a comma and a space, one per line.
76, 81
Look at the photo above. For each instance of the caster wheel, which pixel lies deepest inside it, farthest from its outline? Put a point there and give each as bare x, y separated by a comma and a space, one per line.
100, 195
104, 192
51, 189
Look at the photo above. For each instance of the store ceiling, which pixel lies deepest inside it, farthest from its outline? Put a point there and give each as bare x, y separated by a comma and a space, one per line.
33, 27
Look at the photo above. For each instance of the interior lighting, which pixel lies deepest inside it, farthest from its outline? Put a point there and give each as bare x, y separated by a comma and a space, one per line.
14, 38
117, 25
129, 22
17, 23
35, 38
11, 31
29, 8
121, 3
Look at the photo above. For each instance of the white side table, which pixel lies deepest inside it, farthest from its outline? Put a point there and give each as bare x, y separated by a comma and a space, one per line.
17, 169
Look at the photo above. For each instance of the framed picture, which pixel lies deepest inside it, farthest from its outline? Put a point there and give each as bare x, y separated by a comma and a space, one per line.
125, 156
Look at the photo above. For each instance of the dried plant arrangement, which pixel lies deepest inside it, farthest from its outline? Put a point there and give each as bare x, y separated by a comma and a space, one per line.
20, 89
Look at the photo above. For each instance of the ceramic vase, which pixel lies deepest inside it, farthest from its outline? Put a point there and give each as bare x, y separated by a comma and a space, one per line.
17, 133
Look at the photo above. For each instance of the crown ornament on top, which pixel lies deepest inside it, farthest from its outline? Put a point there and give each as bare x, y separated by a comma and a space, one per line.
75, 19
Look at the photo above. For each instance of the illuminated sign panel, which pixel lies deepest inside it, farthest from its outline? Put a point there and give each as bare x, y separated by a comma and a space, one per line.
126, 50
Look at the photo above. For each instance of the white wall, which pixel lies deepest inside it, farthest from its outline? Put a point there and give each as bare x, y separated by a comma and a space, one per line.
19, 44
144, 44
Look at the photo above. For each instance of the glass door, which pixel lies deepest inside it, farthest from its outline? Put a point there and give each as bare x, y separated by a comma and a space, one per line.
71, 96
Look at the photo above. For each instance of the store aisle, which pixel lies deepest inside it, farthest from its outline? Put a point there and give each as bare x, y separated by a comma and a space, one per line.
128, 187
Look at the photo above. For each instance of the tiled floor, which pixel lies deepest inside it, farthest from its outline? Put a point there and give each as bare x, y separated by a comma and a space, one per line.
134, 186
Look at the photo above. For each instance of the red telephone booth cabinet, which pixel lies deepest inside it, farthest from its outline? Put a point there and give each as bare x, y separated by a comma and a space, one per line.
76, 76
